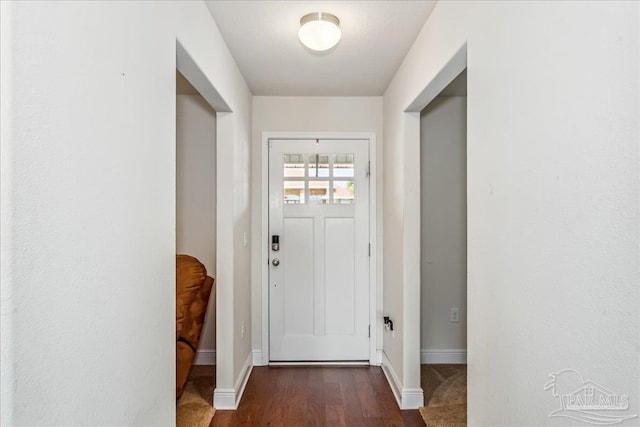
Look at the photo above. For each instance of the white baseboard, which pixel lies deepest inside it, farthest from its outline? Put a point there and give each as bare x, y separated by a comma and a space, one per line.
224, 398
243, 378
229, 398
328, 363
257, 358
379, 357
443, 356
412, 398
392, 378
205, 357
407, 398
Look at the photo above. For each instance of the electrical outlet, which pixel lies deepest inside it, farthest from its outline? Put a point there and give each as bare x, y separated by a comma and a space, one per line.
455, 315
242, 329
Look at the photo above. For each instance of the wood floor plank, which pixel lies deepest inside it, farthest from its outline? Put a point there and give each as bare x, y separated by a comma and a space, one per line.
317, 396
331, 375
351, 402
316, 402
333, 394
367, 398
334, 415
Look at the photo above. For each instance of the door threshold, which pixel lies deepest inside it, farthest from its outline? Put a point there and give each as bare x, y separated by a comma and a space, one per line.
334, 363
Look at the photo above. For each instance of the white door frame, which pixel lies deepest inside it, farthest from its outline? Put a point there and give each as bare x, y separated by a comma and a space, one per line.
411, 396
264, 251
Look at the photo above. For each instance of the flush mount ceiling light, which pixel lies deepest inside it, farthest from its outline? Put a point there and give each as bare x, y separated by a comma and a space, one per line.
319, 31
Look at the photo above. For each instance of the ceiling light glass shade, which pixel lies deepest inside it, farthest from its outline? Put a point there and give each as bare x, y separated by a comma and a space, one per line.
319, 31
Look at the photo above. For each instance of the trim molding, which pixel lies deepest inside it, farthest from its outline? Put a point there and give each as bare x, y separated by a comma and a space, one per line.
407, 398
329, 363
243, 378
379, 357
257, 358
443, 356
412, 398
392, 378
224, 398
373, 235
229, 398
205, 357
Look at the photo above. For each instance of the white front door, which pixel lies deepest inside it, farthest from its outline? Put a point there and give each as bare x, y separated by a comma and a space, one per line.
319, 274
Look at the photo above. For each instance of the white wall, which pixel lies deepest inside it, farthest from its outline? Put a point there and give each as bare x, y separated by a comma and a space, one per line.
88, 208
443, 213
307, 114
553, 209
196, 193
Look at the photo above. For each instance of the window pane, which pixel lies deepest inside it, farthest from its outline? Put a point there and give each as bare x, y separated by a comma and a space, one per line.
293, 192
319, 192
343, 165
319, 165
293, 165
343, 192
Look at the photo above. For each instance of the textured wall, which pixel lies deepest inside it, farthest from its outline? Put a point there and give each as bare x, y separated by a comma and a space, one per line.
443, 191
88, 186
196, 192
553, 209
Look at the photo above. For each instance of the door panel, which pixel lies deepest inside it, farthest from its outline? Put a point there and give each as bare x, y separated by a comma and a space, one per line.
319, 290
298, 254
339, 275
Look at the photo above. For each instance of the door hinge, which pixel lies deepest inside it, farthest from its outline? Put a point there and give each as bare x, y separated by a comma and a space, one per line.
369, 331
369, 169
369, 249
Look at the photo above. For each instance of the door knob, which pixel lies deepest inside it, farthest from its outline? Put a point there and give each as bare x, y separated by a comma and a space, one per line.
275, 262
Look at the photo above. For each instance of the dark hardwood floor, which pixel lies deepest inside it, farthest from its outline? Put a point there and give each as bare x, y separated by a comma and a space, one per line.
317, 396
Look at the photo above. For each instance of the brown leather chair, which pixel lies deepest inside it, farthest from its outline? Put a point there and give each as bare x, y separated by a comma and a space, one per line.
193, 289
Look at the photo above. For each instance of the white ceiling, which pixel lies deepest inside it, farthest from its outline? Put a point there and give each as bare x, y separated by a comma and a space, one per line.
263, 39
